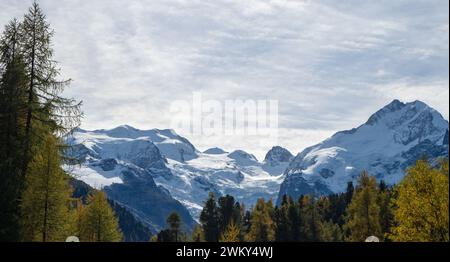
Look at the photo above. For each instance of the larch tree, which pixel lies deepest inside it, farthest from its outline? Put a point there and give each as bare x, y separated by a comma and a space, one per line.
45, 201
197, 234
231, 234
262, 227
98, 223
33, 118
46, 109
421, 207
363, 213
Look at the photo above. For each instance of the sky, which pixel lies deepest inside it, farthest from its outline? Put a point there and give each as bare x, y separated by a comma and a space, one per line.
329, 64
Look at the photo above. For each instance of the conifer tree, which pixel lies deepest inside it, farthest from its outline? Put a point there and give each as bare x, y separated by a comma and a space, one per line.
349, 192
98, 223
311, 219
246, 224
295, 220
225, 211
363, 213
238, 214
45, 108
422, 204
32, 113
174, 223
386, 214
262, 227
12, 101
209, 219
197, 234
283, 225
231, 234
330, 232
45, 201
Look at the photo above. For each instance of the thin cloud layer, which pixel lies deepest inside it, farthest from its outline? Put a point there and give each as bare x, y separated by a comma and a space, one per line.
329, 63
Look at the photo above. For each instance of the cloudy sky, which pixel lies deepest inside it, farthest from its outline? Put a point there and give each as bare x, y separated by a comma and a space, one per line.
330, 64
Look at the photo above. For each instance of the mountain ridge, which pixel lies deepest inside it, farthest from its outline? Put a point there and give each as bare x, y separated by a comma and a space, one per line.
127, 160
389, 141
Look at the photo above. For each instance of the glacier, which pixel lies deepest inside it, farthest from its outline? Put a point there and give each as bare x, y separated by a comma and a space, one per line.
175, 166
392, 139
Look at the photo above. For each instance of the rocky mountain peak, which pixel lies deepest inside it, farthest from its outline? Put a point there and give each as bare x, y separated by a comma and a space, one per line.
278, 154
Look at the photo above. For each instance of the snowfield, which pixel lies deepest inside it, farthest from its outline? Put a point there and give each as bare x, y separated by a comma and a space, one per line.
245, 179
391, 140
176, 166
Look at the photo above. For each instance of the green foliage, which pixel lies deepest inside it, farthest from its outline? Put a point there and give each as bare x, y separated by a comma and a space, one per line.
174, 222
225, 211
311, 219
97, 222
330, 232
231, 234
197, 234
422, 203
386, 212
262, 227
287, 221
363, 213
33, 116
12, 101
209, 218
46, 197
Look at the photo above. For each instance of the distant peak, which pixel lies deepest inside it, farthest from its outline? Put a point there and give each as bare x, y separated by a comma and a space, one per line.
394, 106
241, 154
126, 127
278, 154
215, 151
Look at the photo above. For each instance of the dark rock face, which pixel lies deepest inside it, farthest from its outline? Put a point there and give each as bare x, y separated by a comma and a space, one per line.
445, 140
148, 202
278, 154
425, 149
108, 164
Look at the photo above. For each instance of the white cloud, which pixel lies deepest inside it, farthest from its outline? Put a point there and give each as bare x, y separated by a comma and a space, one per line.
320, 59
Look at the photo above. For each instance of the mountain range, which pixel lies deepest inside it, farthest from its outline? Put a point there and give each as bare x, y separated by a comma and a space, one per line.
154, 172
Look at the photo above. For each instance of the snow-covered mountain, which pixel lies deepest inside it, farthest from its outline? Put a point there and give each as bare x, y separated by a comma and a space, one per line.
237, 173
123, 164
124, 160
391, 140
153, 172
278, 155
